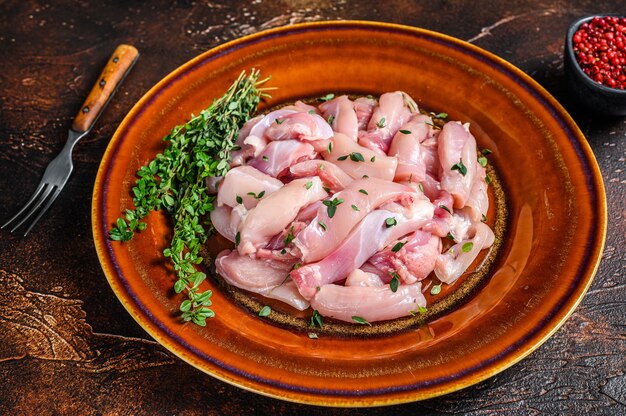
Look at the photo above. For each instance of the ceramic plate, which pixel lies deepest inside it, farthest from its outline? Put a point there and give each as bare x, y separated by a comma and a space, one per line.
553, 211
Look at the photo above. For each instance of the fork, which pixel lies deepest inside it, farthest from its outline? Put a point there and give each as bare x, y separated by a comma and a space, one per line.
60, 168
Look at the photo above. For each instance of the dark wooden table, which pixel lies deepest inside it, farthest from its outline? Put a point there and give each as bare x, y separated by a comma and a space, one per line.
67, 346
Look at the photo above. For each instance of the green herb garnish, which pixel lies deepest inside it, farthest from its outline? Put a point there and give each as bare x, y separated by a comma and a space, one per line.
327, 97
460, 167
124, 230
255, 196
175, 180
405, 131
317, 320
381, 123
467, 247
266, 310
360, 320
390, 222
420, 309
289, 237
435, 290
354, 156
395, 282
398, 246
332, 205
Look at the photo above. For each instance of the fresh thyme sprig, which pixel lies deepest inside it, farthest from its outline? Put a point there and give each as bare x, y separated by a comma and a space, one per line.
175, 180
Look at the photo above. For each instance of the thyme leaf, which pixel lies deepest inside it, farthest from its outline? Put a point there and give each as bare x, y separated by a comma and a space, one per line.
331, 206
317, 320
360, 320
460, 167
467, 247
390, 222
435, 290
395, 282
265, 311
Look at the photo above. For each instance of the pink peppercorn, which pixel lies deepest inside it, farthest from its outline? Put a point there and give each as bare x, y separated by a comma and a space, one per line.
600, 49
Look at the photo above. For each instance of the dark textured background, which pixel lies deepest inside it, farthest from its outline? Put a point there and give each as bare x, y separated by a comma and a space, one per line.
67, 346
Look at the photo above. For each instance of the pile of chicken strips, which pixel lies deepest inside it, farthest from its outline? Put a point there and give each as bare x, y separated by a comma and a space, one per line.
344, 207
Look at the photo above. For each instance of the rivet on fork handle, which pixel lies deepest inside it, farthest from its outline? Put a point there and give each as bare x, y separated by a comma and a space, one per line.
111, 77
60, 168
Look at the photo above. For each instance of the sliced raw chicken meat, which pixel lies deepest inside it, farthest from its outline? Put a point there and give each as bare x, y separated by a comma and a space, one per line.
413, 259
256, 137
413, 157
276, 211
299, 126
387, 118
478, 201
358, 161
246, 151
245, 183
454, 262
262, 276
331, 203
341, 115
331, 174
278, 156
370, 303
359, 277
301, 107
457, 155
326, 232
370, 236
220, 218
364, 107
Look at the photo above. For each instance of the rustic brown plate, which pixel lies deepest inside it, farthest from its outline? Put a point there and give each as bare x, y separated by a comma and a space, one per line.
551, 250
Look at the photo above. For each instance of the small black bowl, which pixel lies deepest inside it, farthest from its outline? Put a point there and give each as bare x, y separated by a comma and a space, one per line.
595, 96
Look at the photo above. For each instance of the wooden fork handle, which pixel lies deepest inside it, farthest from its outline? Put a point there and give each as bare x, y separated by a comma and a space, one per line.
118, 66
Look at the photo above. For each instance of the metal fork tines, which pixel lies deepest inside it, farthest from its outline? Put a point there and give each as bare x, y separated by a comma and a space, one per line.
53, 181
